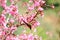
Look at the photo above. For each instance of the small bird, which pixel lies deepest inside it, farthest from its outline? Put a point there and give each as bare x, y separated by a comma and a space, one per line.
27, 24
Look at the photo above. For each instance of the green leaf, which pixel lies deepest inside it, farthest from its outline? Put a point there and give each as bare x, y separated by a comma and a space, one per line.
50, 1
19, 30
25, 0
41, 32
8, 2
1, 9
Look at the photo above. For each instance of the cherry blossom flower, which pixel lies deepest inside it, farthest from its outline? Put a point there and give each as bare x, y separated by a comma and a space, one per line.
13, 29
23, 36
40, 9
11, 20
3, 3
35, 23
30, 37
2, 20
13, 10
31, 8
36, 3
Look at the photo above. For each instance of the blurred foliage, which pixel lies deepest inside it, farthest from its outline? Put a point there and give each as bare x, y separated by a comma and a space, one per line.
52, 1
19, 31
8, 2
1, 9
25, 0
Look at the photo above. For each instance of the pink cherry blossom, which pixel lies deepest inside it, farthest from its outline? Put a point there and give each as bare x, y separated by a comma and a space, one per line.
30, 37
36, 3
11, 20
35, 23
11, 1
13, 10
23, 36
4, 12
40, 9
12, 29
2, 20
31, 7
3, 3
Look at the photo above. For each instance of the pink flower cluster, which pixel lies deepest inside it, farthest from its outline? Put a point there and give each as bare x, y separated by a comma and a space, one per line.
37, 4
23, 37
29, 37
3, 3
7, 26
